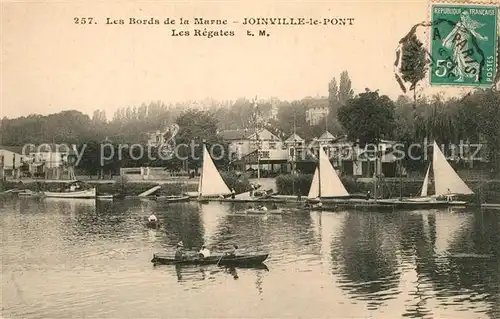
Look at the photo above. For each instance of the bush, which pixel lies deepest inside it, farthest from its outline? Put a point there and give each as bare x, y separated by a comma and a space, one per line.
294, 184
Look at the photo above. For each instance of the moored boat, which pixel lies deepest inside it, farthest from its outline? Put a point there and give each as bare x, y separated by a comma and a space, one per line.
447, 186
74, 189
76, 194
223, 260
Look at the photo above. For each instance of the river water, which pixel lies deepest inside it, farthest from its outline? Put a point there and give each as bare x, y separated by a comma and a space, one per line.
82, 259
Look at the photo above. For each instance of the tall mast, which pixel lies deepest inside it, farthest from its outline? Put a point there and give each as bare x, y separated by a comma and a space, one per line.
200, 187
319, 169
294, 141
255, 107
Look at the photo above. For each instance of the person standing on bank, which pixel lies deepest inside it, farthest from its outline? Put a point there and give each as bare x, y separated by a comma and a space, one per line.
179, 252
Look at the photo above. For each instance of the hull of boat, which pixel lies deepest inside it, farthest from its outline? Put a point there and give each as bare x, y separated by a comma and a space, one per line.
423, 203
420, 199
323, 208
172, 199
153, 224
76, 194
30, 194
264, 212
105, 197
490, 206
247, 260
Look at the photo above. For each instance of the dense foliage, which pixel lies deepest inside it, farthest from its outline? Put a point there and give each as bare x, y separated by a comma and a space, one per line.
368, 117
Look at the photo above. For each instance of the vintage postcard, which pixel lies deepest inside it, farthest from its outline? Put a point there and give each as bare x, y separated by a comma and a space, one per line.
250, 159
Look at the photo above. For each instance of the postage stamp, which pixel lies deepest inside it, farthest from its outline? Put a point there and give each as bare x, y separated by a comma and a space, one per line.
463, 44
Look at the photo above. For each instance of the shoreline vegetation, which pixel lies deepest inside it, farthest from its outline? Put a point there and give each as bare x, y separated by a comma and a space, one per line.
487, 191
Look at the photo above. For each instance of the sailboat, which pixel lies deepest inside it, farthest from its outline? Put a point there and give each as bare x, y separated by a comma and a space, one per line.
211, 183
326, 184
327, 187
447, 184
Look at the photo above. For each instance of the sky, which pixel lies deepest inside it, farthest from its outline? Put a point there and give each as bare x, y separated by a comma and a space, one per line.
50, 64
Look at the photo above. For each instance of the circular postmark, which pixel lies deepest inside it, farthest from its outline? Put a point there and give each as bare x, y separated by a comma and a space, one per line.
167, 149
463, 48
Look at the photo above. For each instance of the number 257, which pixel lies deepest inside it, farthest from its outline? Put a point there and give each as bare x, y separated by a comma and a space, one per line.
83, 20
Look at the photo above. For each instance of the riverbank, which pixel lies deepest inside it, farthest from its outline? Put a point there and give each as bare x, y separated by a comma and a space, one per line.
172, 187
485, 191
109, 187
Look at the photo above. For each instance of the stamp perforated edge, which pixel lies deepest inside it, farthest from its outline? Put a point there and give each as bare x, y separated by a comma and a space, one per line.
496, 4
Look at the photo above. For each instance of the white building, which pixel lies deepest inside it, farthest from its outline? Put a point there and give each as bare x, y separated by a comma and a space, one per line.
11, 160
316, 111
51, 160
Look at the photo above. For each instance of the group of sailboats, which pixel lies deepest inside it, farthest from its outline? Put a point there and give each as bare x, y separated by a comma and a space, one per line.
327, 186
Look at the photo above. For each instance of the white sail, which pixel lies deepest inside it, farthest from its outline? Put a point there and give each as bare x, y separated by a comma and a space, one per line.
446, 180
425, 185
329, 182
314, 190
211, 183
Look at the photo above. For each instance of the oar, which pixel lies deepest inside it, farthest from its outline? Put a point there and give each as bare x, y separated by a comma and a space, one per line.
220, 259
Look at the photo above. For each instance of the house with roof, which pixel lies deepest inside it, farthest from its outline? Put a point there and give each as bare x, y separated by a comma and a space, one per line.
346, 156
251, 150
361, 161
11, 160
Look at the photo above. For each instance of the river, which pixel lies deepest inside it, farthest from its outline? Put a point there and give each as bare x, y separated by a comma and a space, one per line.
82, 259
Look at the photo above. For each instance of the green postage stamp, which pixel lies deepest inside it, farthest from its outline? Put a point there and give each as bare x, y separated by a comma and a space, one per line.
464, 45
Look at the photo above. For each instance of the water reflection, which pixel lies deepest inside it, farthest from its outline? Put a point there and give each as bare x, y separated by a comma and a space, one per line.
69, 258
366, 257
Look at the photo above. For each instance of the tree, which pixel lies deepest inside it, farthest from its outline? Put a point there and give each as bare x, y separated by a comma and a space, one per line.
333, 94
196, 127
345, 89
368, 117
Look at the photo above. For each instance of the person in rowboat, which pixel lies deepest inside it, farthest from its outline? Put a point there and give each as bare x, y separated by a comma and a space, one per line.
179, 252
233, 251
204, 252
152, 218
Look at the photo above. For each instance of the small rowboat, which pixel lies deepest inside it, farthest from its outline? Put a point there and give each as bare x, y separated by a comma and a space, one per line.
223, 260
264, 212
153, 224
